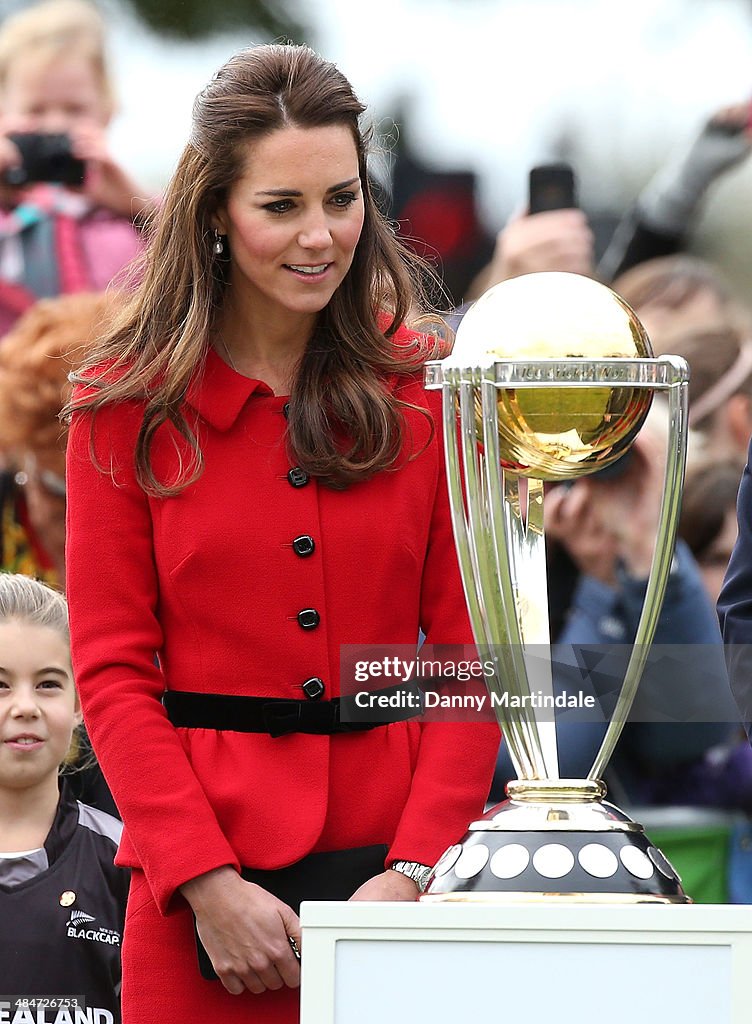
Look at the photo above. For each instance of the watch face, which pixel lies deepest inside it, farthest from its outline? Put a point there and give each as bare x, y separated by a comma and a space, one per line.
422, 879
417, 872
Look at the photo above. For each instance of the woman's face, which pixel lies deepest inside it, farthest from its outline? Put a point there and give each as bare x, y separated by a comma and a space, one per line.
293, 220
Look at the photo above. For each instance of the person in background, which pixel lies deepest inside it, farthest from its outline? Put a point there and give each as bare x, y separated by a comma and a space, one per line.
437, 213
60, 238
600, 536
554, 240
681, 293
42, 348
708, 514
660, 222
657, 226
62, 900
722, 777
720, 389
263, 365
735, 602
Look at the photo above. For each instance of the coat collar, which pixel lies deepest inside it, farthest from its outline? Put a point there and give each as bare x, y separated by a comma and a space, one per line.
218, 393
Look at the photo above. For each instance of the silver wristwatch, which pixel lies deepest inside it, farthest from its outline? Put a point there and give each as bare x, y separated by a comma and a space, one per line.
418, 872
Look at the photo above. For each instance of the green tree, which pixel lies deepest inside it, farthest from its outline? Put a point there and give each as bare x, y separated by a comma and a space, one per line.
273, 19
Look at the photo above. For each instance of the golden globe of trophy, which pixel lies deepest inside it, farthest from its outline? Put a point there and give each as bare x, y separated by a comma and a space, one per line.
551, 378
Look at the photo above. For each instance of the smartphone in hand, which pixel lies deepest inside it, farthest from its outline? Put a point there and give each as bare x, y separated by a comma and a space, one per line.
551, 187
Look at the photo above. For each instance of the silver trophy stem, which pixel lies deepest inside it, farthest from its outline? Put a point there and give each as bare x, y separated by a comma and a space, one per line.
499, 551
484, 601
659, 571
520, 561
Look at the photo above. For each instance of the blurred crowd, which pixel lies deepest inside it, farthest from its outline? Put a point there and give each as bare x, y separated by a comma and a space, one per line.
600, 531
72, 224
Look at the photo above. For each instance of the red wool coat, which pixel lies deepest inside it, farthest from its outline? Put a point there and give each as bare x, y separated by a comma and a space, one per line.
211, 581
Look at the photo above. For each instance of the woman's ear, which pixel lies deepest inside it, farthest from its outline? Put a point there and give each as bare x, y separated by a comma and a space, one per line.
219, 221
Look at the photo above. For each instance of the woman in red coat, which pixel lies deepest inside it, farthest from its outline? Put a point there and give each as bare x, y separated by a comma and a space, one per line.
255, 478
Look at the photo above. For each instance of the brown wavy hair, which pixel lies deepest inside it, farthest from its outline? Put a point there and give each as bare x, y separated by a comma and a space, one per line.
160, 341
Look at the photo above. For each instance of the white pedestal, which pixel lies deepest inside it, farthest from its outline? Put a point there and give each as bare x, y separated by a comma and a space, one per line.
388, 963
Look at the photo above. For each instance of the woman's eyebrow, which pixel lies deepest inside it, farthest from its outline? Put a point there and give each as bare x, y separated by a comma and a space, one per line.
297, 192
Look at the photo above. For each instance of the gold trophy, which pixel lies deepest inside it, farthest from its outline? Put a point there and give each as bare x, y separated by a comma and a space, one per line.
551, 378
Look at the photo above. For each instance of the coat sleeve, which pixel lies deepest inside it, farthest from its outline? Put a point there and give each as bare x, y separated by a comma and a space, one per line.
735, 604
455, 760
113, 591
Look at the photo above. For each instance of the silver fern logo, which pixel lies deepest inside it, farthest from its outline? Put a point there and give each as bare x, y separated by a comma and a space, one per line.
78, 917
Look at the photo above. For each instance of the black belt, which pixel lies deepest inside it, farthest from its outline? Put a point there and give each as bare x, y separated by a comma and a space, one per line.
278, 716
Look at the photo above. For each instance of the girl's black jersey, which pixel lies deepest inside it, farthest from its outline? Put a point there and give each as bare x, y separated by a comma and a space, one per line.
62, 910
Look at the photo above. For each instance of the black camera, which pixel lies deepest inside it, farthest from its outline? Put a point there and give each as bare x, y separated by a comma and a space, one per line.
45, 157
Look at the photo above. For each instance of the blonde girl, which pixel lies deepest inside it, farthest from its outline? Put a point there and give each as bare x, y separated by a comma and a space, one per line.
62, 900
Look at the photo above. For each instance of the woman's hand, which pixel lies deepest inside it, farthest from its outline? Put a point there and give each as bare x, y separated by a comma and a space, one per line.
245, 931
390, 887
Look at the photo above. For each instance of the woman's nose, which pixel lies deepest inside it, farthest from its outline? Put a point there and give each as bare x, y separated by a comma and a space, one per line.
315, 234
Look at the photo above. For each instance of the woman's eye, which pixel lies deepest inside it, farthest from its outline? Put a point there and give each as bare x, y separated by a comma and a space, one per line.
344, 199
280, 206
49, 684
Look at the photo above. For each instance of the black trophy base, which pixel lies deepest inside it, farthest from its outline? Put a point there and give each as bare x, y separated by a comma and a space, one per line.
547, 843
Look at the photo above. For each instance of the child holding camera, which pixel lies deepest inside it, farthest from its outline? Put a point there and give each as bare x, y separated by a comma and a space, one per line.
62, 900
69, 214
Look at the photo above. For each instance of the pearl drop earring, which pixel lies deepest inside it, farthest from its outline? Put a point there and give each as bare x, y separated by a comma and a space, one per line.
219, 245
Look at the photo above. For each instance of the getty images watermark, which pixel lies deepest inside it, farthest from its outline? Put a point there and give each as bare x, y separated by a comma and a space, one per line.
681, 683
446, 682
437, 673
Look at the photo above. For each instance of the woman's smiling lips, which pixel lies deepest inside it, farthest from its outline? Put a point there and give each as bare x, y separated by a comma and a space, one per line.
309, 271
